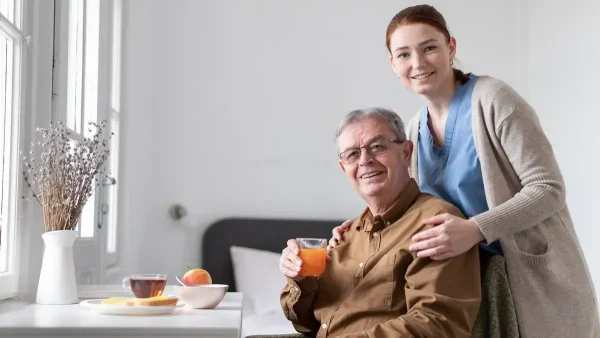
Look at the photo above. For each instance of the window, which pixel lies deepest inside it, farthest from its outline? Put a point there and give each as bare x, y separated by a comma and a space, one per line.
7, 9
82, 85
86, 88
112, 232
12, 45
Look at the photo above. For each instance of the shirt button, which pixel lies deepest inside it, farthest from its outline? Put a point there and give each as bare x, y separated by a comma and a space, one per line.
388, 223
324, 326
361, 264
375, 234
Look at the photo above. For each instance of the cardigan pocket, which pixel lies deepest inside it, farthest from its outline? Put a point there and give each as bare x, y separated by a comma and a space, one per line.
533, 248
532, 260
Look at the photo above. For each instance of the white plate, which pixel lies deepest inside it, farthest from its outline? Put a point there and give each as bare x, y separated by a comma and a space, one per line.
112, 309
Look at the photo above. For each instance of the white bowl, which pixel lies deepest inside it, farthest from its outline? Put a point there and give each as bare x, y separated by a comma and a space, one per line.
206, 296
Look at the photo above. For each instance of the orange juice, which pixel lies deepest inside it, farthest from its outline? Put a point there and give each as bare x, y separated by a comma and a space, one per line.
313, 261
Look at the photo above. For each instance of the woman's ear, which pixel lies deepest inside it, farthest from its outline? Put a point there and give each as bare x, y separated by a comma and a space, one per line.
452, 48
392, 64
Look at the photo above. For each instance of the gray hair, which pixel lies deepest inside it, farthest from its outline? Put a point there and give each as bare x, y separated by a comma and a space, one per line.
394, 121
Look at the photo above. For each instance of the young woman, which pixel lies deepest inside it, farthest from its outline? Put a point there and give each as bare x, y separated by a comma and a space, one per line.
480, 146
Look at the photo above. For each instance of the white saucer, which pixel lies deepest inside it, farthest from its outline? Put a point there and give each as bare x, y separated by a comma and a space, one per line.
123, 310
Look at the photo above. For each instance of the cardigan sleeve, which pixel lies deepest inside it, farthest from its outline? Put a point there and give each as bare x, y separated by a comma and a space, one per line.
531, 156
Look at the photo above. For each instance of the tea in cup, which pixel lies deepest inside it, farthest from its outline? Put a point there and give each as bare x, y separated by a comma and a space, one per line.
313, 252
145, 285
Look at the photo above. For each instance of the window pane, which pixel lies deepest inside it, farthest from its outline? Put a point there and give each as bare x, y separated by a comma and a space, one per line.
92, 31
7, 8
111, 222
87, 221
4, 126
6, 77
89, 72
115, 96
2, 247
75, 66
112, 190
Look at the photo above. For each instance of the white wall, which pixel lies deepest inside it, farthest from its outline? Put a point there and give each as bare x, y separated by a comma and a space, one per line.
138, 189
562, 72
229, 107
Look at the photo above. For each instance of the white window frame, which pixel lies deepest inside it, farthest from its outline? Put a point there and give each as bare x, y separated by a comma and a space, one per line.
24, 216
65, 106
116, 43
108, 106
10, 277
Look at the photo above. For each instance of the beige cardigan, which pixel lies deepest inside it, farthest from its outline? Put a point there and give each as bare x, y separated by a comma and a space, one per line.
551, 285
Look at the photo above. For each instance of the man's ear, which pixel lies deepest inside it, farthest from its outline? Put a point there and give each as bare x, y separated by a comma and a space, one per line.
407, 149
342, 166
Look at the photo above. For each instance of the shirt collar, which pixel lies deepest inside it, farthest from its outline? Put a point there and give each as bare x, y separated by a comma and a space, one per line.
368, 222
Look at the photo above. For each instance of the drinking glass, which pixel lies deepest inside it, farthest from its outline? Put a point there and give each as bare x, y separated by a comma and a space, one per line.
313, 252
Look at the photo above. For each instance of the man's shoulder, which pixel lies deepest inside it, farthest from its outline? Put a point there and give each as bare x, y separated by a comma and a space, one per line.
423, 207
431, 205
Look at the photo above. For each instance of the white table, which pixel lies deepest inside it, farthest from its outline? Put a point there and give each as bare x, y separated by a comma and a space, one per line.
21, 319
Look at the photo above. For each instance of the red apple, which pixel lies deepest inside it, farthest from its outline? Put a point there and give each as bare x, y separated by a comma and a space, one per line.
197, 276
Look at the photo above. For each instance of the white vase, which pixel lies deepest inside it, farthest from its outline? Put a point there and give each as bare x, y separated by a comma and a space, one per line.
57, 284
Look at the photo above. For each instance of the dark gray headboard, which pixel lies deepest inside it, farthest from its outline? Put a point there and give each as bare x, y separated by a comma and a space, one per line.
263, 234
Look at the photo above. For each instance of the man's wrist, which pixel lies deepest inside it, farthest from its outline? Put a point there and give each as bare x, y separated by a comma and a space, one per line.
306, 283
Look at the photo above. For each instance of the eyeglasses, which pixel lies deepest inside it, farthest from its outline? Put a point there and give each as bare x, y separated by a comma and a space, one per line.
376, 148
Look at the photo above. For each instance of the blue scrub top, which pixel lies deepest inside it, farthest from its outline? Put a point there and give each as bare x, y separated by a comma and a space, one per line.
453, 172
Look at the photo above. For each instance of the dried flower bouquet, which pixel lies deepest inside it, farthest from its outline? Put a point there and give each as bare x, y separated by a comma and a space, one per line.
66, 173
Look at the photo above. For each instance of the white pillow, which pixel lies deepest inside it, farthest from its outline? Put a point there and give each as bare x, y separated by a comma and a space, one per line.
258, 277
269, 324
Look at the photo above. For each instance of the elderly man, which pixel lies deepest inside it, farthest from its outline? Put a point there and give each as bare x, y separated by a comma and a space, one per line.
373, 286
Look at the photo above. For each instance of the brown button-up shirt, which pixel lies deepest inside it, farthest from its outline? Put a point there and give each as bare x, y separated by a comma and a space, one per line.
375, 287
